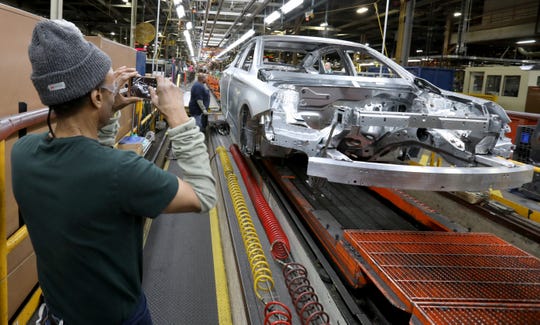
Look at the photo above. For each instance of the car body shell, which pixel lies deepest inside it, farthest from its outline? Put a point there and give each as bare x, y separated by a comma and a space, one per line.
370, 114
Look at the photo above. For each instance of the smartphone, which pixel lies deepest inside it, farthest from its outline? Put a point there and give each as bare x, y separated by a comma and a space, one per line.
138, 86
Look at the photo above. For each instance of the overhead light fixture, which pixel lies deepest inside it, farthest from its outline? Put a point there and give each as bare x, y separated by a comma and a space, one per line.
224, 13
289, 6
413, 60
527, 67
272, 17
457, 14
241, 40
223, 22
361, 10
419, 51
189, 25
529, 41
324, 24
113, 33
187, 36
180, 11
177, 2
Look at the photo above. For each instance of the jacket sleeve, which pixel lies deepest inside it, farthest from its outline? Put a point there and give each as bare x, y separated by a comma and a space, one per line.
189, 149
107, 134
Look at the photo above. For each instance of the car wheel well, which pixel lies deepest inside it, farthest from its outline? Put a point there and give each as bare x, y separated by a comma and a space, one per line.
248, 131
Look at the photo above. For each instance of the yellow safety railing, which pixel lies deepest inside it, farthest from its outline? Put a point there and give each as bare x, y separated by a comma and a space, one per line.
8, 126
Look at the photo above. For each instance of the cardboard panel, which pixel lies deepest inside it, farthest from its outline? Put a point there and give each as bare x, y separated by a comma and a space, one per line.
22, 275
16, 31
21, 281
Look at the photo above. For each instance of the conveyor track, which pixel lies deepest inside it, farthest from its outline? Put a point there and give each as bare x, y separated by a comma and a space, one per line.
330, 210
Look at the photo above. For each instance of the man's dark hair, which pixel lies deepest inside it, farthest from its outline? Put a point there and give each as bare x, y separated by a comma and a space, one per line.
70, 107
67, 108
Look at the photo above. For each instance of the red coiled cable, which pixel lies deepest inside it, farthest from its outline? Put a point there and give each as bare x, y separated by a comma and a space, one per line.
278, 240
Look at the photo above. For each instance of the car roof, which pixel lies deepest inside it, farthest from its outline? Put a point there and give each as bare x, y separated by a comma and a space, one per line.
315, 41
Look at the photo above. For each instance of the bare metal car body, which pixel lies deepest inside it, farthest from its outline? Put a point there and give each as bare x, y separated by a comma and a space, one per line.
364, 122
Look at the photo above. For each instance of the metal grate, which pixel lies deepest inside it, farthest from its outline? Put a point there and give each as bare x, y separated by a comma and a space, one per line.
494, 314
466, 268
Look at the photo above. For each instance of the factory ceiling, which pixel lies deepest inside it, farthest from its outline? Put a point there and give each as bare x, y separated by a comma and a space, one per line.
491, 28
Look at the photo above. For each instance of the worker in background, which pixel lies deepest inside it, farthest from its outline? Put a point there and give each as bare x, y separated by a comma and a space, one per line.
200, 101
83, 201
327, 67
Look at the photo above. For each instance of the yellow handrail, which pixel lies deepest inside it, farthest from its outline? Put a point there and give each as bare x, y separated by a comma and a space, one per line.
16, 238
8, 126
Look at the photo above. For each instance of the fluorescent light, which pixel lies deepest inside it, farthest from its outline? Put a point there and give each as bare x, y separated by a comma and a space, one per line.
187, 36
272, 17
419, 51
361, 10
224, 13
529, 41
189, 25
413, 60
242, 39
457, 14
180, 11
325, 24
223, 22
289, 6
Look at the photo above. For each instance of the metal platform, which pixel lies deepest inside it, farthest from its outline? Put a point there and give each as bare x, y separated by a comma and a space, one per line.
178, 269
475, 314
455, 274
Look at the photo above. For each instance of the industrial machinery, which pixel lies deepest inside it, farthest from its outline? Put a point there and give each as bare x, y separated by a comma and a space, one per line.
528, 151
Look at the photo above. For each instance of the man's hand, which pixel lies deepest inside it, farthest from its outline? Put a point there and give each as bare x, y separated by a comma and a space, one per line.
169, 100
121, 77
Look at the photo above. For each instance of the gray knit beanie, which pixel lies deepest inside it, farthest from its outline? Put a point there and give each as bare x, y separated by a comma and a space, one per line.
65, 66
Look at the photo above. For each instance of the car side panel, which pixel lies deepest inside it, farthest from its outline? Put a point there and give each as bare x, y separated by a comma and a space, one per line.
246, 90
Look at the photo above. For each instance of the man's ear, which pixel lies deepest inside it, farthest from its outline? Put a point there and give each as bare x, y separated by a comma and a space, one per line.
96, 97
